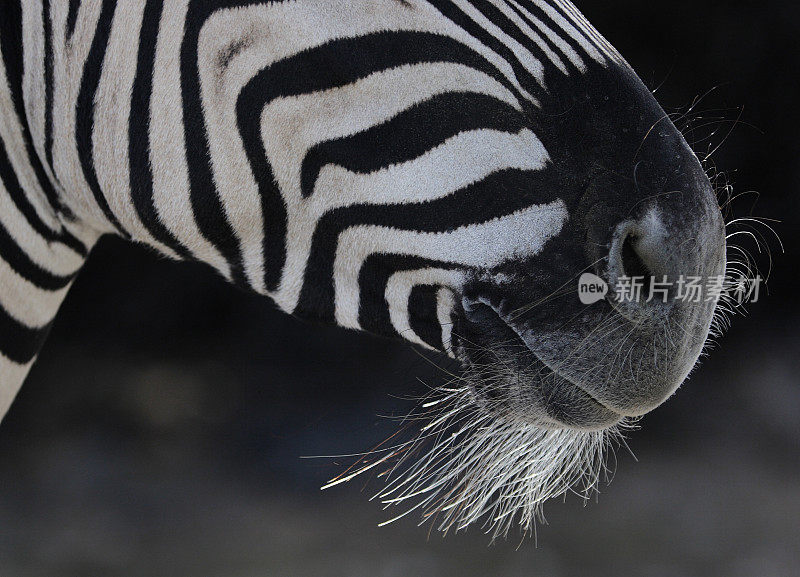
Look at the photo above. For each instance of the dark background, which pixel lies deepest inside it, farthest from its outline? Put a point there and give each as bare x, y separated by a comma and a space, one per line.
161, 429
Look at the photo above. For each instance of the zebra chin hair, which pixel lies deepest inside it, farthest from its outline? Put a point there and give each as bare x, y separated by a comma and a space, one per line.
470, 463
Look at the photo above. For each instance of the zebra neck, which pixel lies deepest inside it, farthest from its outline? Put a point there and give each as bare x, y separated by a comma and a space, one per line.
35, 274
42, 247
38, 261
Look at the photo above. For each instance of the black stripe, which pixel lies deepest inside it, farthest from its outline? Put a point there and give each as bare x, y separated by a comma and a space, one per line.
15, 192
16, 257
141, 175
373, 311
47, 32
472, 28
522, 37
72, 18
310, 71
19, 343
46, 184
273, 207
495, 15
12, 54
84, 120
206, 204
571, 15
355, 59
422, 315
411, 133
528, 17
548, 21
497, 195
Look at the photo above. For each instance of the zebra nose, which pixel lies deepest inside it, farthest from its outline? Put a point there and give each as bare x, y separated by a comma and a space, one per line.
661, 271
641, 253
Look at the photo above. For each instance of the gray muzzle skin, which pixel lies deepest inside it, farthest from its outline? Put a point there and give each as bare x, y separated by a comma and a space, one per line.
640, 205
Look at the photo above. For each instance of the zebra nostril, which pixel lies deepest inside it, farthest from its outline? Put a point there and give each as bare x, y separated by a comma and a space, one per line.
641, 252
633, 265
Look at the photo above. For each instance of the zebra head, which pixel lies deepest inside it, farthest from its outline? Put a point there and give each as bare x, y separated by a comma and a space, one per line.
446, 171
439, 171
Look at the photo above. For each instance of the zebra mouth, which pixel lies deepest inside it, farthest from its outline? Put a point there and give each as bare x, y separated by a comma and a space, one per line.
508, 378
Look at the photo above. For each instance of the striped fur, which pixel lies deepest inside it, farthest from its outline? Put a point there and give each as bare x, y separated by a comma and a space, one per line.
440, 171
214, 131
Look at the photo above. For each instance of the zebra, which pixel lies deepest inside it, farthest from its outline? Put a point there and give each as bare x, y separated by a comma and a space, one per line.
436, 171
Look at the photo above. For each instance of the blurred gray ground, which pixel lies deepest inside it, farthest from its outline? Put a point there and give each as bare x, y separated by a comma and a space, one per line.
160, 432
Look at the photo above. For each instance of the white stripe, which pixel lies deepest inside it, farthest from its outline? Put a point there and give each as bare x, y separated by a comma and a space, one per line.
553, 37
53, 257
265, 34
87, 236
11, 131
398, 293
167, 147
456, 163
290, 126
445, 301
523, 55
484, 245
523, 26
33, 84
33, 90
110, 137
27, 303
69, 60
591, 32
570, 30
